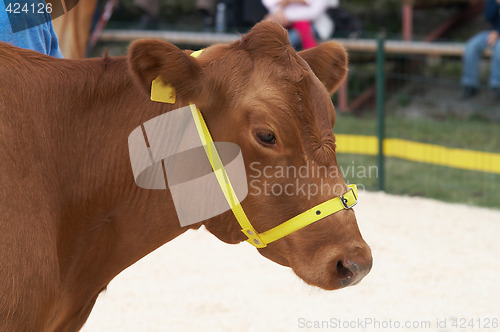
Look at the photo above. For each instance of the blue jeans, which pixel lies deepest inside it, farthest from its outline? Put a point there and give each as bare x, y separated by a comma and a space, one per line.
295, 40
472, 57
294, 37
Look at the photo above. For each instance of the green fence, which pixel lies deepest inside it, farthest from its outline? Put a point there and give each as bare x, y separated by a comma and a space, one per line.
411, 125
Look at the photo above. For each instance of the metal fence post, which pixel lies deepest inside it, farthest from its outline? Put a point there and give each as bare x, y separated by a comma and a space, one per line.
380, 86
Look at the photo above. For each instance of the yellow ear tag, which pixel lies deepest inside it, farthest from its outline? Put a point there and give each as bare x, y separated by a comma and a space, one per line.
162, 92
165, 93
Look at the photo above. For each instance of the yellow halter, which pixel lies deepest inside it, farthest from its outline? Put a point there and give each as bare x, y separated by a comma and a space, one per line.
166, 93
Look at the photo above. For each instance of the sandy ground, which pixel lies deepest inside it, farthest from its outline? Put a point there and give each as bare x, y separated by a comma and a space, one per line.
436, 265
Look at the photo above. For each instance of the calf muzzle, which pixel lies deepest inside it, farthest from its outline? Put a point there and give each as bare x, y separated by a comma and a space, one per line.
352, 268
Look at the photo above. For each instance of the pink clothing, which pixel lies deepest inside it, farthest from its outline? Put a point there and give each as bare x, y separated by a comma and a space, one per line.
296, 12
304, 28
300, 17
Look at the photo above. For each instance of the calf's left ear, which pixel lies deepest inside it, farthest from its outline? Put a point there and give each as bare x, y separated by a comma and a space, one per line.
151, 58
329, 62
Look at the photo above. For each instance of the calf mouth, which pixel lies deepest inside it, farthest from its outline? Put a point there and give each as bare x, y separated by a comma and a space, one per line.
339, 272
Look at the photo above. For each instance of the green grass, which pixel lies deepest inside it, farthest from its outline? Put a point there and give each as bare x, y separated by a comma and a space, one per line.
404, 177
475, 134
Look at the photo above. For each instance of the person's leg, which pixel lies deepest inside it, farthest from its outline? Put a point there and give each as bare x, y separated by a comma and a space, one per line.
306, 33
294, 38
472, 58
495, 67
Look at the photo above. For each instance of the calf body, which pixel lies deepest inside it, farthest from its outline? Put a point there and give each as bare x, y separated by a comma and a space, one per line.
71, 216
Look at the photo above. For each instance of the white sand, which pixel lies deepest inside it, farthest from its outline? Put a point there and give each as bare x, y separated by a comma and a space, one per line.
432, 261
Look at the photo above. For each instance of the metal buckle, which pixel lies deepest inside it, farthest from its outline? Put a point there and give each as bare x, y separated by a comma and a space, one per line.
345, 200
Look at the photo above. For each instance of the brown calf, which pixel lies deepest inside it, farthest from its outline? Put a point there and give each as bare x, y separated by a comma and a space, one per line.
71, 216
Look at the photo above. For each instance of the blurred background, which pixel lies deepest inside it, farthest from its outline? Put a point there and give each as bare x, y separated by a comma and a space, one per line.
402, 109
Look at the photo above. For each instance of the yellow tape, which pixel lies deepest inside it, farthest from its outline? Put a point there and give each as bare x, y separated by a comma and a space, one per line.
444, 156
357, 144
421, 152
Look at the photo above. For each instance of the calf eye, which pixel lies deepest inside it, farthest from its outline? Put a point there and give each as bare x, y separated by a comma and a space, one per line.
267, 137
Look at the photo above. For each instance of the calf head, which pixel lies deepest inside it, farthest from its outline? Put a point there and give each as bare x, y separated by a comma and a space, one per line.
275, 104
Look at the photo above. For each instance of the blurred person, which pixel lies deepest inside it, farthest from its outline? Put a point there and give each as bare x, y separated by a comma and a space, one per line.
235, 14
252, 12
150, 13
297, 15
30, 34
207, 10
324, 25
474, 50
343, 22
151, 9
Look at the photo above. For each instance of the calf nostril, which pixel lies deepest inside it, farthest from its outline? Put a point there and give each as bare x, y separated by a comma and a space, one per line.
344, 272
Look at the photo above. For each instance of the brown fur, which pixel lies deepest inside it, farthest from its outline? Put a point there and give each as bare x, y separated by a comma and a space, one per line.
71, 216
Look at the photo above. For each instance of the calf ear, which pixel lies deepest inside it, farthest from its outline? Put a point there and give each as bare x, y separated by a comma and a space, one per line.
329, 62
150, 58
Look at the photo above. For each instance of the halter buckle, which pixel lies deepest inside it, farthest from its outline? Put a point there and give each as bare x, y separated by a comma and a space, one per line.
345, 201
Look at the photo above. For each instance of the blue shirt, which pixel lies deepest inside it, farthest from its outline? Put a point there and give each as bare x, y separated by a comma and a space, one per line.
40, 38
492, 13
